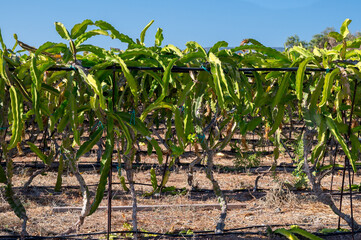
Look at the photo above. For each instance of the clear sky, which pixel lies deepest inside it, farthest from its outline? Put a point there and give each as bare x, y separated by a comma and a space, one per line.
206, 22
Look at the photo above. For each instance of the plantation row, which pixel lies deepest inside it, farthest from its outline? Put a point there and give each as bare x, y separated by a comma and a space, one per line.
76, 90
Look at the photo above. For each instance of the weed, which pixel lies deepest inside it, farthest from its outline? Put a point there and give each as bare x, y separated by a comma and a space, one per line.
184, 232
301, 177
299, 149
246, 160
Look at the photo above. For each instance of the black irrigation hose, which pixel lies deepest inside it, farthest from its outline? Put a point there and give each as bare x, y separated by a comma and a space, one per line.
333, 193
177, 235
195, 233
188, 69
147, 166
77, 186
336, 233
246, 70
152, 235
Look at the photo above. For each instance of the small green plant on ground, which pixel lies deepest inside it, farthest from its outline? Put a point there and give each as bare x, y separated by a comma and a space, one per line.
157, 188
301, 180
293, 232
188, 232
245, 159
332, 230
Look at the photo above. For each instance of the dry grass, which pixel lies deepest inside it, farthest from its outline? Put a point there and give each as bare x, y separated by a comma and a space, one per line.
280, 195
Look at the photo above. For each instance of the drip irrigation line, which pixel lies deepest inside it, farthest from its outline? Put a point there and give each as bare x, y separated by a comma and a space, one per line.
333, 193
227, 233
195, 233
147, 166
255, 226
337, 233
16, 237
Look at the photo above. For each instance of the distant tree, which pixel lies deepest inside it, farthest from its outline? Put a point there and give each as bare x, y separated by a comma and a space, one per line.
295, 41
354, 36
319, 40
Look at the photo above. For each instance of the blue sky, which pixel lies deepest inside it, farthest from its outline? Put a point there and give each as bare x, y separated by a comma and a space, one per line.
206, 22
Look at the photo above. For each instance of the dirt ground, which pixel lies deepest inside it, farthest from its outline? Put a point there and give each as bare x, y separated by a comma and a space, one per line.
273, 204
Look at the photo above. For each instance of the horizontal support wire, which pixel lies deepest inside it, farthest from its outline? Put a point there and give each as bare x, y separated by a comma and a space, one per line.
198, 69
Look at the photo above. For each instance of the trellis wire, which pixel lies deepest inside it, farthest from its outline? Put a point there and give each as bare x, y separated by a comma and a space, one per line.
199, 69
